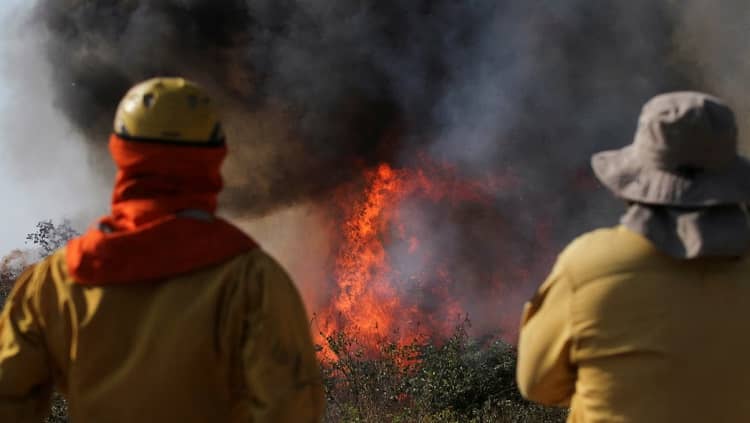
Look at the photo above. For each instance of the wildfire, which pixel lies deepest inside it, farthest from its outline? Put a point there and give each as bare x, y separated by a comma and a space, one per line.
375, 296
366, 298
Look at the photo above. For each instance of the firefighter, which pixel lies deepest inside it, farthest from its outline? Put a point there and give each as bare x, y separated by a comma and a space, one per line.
162, 312
648, 321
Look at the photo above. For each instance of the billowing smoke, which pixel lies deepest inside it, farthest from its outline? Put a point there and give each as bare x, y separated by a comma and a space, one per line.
709, 38
43, 165
312, 87
315, 90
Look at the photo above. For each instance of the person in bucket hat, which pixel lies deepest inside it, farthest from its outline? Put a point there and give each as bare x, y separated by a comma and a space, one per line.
647, 321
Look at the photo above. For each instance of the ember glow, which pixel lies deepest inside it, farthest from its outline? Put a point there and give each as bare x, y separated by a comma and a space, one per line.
375, 294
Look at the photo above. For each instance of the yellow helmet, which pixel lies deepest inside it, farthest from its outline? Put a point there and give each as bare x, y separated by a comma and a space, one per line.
168, 110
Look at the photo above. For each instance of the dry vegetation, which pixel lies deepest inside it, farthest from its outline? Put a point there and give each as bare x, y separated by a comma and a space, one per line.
458, 379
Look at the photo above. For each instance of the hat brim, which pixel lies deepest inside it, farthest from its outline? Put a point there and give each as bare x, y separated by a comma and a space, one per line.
626, 176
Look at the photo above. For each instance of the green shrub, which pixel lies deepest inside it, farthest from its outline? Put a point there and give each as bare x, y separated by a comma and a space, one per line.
454, 380
49, 236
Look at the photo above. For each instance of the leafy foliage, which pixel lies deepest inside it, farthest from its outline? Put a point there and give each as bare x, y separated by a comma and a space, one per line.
456, 380
11, 267
49, 237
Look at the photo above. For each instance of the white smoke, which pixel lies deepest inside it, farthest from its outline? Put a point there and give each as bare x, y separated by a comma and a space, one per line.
45, 170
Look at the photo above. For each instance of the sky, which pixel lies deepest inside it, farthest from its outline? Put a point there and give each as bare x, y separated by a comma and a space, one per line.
45, 172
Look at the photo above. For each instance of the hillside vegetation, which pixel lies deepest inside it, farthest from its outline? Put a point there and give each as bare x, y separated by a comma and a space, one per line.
453, 380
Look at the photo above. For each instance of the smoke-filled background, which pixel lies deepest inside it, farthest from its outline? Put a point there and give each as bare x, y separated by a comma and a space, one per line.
315, 91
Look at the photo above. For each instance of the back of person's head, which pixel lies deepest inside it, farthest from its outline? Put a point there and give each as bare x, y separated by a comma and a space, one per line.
168, 110
167, 143
168, 147
684, 154
682, 177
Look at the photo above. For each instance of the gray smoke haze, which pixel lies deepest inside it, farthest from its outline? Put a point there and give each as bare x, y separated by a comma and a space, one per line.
315, 90
711, 38
311, 87
43, 161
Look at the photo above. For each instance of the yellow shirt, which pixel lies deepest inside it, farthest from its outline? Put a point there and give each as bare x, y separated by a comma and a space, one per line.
230, 343
623, 333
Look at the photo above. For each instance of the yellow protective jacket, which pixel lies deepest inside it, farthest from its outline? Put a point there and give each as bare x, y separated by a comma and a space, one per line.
624, 333
230, 343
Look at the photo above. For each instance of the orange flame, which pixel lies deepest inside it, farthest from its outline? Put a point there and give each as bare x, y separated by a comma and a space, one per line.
370, 297
366, 300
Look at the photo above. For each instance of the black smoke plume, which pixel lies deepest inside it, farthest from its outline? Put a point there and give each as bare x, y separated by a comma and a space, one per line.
487, 84
316, 89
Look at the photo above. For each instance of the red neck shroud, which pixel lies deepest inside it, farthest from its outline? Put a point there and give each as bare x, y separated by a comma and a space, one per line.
162, 222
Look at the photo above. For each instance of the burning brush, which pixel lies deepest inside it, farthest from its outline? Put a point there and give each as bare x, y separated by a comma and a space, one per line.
498, 104
396, 275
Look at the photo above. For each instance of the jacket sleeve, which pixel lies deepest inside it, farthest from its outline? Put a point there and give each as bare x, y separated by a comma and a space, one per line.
25, 377
281, 370
545, 373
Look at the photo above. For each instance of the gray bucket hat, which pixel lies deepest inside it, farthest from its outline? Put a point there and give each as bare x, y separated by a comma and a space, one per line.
684, 154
